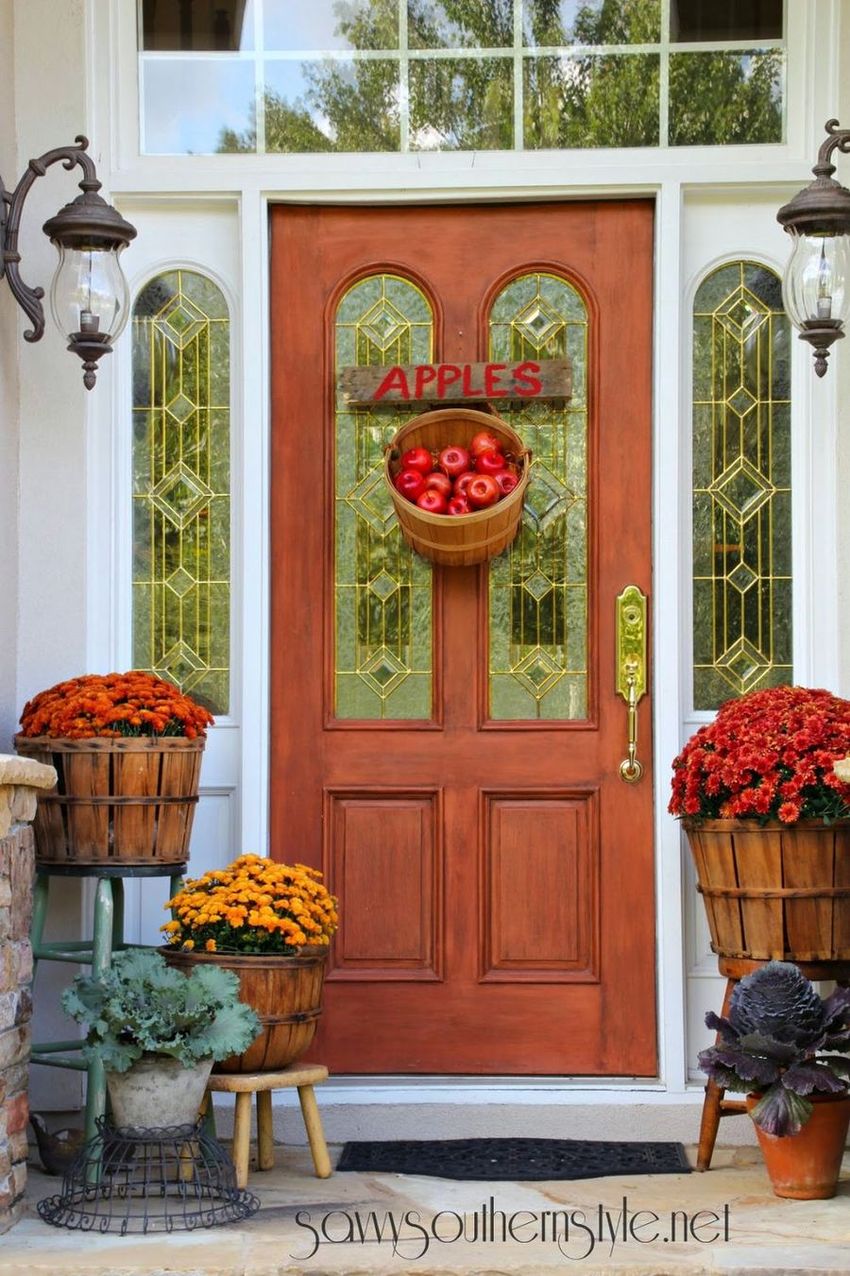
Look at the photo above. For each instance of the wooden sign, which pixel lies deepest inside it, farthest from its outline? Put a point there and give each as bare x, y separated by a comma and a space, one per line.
457, 382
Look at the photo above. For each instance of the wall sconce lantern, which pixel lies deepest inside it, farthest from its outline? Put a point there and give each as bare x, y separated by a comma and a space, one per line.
89, 297
816, 287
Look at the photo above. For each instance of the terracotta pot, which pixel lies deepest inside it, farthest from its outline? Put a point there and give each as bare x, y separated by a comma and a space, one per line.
778, 891
286, 993
806, 1166
157, 1092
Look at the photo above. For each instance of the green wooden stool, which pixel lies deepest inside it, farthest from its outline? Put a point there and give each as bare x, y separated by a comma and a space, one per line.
107, 937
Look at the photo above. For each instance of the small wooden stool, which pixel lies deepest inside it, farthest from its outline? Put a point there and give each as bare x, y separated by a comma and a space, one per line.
715, 1105
243, 1085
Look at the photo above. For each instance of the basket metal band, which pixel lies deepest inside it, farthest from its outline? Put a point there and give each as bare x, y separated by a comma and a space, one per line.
778, 892
108, 799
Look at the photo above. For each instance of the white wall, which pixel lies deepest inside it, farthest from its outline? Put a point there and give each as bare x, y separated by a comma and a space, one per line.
841, 360
8, 410
45, 44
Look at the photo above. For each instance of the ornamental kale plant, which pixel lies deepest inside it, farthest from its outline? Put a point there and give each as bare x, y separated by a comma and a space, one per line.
767, 756
771, 1043
141, 1006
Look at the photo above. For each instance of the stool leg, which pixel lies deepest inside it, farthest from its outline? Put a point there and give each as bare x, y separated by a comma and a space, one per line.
265, 1131
710, 1122
39, 916
100, 960
117, 914
242, 1136
315, 1133
207, 1112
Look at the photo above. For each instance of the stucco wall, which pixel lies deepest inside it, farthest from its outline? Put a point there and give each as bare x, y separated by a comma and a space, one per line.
841, 360
42, 433
8, 408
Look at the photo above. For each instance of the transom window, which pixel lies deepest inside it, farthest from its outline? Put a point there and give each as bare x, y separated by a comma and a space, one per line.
430, 75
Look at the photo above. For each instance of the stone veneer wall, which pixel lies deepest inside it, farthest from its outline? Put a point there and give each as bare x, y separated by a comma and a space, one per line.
16, 876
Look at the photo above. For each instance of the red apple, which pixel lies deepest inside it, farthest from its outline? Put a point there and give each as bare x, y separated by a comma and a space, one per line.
440, 482
507, 481
410, 483
463, 481
489, 462
482, 491
484, 441
453, 461
432, 501
459, 505
418, 458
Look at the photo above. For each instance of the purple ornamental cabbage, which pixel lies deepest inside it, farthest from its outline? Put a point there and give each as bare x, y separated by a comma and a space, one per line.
772, 1041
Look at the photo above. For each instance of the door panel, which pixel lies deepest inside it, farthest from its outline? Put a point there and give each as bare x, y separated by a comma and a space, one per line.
446, 742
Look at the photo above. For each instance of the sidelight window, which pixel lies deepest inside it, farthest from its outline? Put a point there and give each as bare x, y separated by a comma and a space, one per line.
181, 485
742, 583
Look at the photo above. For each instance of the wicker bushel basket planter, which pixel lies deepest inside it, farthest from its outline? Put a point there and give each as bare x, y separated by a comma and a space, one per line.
286, 993
464, 539
126, 801
775, 891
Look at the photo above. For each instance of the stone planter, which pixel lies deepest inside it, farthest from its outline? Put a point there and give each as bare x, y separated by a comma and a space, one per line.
157, 1093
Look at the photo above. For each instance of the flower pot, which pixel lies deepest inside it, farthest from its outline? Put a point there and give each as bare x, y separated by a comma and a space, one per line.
120, 801
805, 1166
775, 890
157, 1092
286, 993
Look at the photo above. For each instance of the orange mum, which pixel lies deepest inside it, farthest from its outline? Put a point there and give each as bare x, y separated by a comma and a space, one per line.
114, 704
254, 905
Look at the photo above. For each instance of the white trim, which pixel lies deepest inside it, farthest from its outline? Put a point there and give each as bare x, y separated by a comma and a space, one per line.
667, 650
255, 557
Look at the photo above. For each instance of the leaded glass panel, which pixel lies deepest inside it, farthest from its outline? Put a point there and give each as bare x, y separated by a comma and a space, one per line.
181, 485
538, 588
741, 484
382, 599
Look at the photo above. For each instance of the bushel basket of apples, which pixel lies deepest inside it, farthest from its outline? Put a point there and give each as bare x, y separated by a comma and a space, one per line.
457, 478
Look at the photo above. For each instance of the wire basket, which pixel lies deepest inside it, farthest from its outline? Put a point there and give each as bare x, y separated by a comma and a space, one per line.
175, 1179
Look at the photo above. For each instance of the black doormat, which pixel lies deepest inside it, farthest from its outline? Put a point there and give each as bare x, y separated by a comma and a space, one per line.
507, 1160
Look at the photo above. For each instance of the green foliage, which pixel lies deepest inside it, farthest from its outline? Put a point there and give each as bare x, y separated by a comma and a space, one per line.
142, 1006
574, 101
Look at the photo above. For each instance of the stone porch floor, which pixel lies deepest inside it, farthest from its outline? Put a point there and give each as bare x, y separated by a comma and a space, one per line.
765, 1234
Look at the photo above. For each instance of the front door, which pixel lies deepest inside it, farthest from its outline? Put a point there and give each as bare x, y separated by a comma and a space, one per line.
446, 743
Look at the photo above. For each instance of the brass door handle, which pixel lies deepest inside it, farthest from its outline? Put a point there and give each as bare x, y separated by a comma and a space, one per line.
631, 670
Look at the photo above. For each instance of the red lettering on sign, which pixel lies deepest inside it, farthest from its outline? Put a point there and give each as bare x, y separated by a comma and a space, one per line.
425, 374
394, 380
522, 378
447, 374
492, 380
468, 391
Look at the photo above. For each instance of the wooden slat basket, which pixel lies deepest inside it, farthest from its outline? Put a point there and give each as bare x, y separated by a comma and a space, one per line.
286, 993
126, 801
464, 539
775, 891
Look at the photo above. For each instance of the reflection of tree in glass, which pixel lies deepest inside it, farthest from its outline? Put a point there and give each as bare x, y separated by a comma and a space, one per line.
581, 100
725, 98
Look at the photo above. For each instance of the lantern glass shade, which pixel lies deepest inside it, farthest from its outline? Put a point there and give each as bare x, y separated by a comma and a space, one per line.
816, 287
89, 296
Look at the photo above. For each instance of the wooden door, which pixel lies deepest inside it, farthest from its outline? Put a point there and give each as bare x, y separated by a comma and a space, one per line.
445, 743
